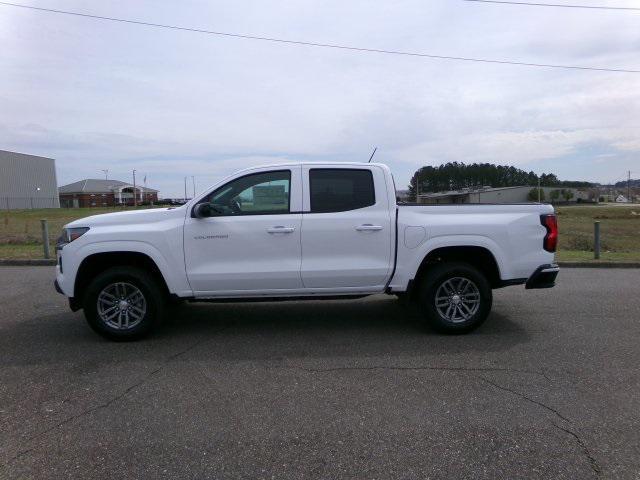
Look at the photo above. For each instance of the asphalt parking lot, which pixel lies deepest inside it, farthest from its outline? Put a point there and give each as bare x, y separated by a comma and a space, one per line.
549, 387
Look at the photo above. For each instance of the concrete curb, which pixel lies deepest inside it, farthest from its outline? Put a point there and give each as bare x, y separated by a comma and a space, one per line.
41, 262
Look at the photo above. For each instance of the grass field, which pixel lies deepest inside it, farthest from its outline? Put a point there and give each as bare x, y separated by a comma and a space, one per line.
20, 235
619, 232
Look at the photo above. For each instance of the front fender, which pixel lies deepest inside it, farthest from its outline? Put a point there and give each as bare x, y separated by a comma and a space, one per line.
174, 275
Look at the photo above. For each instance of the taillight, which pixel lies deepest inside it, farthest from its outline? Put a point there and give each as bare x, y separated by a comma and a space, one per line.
550, 222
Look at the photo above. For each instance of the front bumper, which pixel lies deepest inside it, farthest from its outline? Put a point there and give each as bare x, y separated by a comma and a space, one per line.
74, 303
543, 277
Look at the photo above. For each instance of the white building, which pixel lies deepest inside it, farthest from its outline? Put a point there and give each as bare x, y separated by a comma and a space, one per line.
27, 181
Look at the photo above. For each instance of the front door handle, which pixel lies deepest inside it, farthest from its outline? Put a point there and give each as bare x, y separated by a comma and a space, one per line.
281, 229
368, 227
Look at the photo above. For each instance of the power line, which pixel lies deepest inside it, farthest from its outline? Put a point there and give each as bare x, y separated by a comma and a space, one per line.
531, 4
321, 45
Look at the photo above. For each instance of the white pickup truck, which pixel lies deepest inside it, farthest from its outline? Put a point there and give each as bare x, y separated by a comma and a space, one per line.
303, 231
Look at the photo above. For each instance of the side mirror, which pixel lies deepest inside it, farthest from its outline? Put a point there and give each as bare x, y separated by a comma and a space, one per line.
202, 210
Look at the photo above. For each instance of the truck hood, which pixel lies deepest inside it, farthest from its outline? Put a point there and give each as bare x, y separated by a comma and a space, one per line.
128, 217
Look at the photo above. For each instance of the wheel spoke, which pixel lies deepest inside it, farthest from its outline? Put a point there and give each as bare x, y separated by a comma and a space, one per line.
449, 313
133, 296
107, 311
121, 305
457, 299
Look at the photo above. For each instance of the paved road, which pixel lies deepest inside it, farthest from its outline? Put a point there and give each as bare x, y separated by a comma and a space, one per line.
549, 387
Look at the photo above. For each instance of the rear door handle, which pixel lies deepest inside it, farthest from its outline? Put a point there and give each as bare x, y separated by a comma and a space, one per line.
368, 227
281, 229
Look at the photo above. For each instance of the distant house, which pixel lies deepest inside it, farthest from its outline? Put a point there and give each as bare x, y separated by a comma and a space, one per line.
104, 193
403, 195
621, 199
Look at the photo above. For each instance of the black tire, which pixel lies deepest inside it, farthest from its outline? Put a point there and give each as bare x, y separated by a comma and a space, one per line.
435, 278
152, 293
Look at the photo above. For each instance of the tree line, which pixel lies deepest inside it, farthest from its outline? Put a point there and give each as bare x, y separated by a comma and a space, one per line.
456, 176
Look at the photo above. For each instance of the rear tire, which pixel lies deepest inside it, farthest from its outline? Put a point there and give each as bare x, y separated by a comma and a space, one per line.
454, 297
124, 303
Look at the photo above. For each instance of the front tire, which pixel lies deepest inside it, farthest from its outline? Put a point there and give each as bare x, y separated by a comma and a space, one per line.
123, 303
455, 297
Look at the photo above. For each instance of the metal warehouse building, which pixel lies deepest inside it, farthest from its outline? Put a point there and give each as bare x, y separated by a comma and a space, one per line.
518, 194
27, 181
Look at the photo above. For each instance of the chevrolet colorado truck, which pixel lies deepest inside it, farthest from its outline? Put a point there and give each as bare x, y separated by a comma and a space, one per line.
303, 231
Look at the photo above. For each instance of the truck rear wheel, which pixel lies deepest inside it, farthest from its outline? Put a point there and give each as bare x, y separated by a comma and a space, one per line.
455, 297
123, 303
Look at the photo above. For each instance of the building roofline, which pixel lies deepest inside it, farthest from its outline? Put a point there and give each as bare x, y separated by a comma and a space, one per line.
26, 154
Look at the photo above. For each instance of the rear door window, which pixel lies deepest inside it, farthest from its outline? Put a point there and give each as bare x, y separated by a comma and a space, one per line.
340, 189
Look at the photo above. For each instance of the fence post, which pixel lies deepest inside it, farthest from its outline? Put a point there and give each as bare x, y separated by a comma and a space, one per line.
45, 238
596, 240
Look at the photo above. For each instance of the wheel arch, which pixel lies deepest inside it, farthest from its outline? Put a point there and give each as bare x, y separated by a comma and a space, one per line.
477, 256
96, 263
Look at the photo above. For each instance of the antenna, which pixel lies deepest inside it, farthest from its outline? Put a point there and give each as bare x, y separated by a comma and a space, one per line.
372, 154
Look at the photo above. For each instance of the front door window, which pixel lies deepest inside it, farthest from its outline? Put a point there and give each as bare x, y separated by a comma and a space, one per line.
256, 194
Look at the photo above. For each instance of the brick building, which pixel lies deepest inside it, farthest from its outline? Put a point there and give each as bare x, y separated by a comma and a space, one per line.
104, 193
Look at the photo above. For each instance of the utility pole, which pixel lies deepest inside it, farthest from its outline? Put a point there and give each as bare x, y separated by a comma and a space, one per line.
629, 186
538, 188
185, 189
135, 197
106, 174
193, 179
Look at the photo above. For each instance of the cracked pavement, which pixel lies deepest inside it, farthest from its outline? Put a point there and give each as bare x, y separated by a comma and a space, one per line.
549, 387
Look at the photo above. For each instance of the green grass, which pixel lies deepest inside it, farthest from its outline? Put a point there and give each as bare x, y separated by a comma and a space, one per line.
585, 256
619, 232
20, 235
20, 230
24, 251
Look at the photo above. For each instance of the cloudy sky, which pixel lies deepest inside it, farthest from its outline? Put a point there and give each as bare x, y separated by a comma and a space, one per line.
97, 95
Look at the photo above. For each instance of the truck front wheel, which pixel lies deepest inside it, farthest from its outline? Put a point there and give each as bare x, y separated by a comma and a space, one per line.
455, 297
123, 303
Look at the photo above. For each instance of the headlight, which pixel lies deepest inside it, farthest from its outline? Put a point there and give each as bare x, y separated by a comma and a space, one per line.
70, 234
